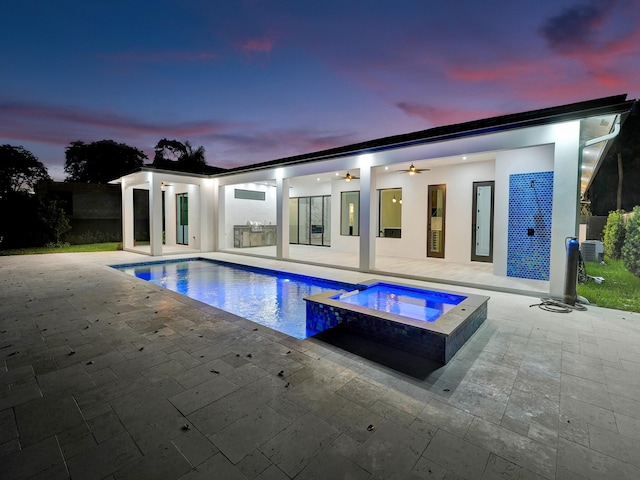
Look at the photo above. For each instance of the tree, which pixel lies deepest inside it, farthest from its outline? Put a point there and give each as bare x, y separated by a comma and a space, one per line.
176, 155
20, 170
613, 235
631, 247
100, 162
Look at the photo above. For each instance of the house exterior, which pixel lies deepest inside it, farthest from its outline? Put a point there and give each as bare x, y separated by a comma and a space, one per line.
503, 193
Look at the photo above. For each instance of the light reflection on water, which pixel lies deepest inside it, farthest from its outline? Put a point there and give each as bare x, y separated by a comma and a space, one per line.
274, 300
424, 305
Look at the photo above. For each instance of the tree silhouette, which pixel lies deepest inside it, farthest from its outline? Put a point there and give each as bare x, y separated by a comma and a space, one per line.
100, 162
20, 170
182, 156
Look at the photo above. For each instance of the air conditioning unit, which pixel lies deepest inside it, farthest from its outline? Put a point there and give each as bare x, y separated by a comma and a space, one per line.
592, 251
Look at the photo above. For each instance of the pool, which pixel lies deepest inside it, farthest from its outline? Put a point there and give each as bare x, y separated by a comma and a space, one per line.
419, 304
267, 297
430, 323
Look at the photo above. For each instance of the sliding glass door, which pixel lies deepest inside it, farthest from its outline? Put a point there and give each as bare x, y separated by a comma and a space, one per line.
310, 220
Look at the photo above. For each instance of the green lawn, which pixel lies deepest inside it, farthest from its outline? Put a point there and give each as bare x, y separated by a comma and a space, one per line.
620, 289
91, 247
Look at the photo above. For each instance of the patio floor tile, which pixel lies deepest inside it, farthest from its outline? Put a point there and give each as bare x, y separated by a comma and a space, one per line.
105, 376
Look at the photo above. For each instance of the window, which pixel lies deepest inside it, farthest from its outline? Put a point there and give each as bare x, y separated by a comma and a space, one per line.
390, 210
249, 194
350, 213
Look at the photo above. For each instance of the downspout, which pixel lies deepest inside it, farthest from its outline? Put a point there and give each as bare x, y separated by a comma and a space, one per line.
608, 136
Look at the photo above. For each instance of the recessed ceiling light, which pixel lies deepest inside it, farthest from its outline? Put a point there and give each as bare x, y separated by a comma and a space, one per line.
386, 168
318, 179
464, 158
337, 174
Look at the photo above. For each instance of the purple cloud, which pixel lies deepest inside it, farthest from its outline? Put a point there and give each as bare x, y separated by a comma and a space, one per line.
575, 27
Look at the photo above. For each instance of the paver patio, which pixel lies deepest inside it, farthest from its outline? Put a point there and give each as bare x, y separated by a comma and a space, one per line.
106, 376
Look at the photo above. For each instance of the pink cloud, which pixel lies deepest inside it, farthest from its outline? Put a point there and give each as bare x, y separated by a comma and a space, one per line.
437, 115
52, 125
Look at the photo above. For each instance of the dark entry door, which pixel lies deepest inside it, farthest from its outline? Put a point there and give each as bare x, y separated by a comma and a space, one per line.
436, 220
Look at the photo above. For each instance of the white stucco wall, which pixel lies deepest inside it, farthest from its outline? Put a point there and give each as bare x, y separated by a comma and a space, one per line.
510, 162
342, 243
239, 211
459, 180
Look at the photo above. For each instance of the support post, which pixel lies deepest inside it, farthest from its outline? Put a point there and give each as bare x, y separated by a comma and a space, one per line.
155, 215
282, 218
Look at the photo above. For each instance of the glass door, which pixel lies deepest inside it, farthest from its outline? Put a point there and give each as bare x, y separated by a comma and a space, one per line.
310, 220
482, 223
182, 219
317, 221
436, 221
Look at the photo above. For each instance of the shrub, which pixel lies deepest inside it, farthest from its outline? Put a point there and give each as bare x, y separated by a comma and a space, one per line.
614, 233
631, 247
54, 222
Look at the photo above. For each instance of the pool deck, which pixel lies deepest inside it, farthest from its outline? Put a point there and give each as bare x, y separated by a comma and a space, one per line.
106, 376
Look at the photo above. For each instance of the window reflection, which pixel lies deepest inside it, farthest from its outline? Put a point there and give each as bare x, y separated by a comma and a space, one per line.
390, 209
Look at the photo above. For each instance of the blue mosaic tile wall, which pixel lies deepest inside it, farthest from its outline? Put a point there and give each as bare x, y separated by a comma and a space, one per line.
428, 344
529, 240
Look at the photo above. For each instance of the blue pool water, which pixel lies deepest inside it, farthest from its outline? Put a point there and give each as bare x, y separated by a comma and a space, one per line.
424, 305
270, 298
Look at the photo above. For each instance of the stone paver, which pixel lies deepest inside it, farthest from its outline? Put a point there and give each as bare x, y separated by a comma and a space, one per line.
105, 376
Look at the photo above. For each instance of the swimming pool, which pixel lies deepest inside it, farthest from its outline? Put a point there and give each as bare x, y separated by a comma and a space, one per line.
419, 304
267, 297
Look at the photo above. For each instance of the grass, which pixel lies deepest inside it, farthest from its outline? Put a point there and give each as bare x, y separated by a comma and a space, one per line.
90, 247
620, 289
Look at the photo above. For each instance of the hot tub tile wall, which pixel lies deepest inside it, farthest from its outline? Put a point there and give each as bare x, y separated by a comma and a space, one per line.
459, 337
419, 341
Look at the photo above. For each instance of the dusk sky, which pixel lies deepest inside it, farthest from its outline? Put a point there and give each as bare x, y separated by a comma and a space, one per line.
258, 80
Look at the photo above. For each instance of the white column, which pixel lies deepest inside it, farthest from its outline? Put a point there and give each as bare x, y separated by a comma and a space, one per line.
566, 201
367, 218
128, 216
170, 215
194, 216
155, 215
221, 235
282, 218
207, 215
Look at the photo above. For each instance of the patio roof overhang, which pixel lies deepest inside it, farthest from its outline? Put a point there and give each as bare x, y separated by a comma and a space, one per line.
597, 118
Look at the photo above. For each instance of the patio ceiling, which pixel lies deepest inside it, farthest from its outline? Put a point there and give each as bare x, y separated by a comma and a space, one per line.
392, 169
590, 128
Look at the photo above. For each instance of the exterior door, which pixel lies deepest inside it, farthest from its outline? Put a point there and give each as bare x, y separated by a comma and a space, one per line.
482, 223
436, 220
182, 219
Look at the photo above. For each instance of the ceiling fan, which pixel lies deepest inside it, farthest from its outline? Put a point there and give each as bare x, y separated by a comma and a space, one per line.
348, 177
413, 170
